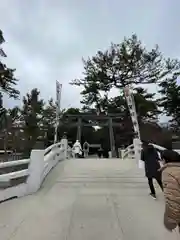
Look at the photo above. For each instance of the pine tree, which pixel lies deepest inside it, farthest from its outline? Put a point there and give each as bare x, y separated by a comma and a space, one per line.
31, 116
170, 100
126, 64
7, 80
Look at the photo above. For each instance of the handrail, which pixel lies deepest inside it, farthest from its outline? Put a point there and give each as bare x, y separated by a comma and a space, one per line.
158, 147
48, 149
12, 175
14, 163
163, 148
129, 147
127, 150
51, 158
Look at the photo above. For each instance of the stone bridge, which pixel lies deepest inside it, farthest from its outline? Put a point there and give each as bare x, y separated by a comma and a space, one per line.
83, 199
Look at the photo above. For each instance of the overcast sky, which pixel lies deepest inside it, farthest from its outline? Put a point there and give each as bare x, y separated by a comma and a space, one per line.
46, 40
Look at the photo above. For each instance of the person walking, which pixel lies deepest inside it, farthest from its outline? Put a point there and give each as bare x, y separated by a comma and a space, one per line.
77, 149
152, 165
86, 149
100, 152
171, 183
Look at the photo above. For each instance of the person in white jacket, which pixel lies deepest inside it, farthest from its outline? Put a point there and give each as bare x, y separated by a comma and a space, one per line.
77, 149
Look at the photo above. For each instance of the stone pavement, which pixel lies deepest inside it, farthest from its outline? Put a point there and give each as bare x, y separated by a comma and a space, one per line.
87, 199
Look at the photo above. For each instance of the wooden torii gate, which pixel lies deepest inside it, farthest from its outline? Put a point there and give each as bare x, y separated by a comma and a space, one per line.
109, 122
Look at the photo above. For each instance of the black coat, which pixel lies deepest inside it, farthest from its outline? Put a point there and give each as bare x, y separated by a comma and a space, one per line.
151, 162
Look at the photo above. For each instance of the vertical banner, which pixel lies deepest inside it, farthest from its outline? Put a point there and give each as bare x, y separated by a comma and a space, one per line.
58, 106
137, 141
132, 109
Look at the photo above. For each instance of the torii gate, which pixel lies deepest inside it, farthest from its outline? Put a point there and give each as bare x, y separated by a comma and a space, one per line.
109, 118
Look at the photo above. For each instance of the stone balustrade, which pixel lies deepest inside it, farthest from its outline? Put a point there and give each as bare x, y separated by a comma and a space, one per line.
23, 177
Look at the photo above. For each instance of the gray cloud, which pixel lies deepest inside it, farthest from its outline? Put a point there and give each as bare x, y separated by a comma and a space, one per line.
46, 40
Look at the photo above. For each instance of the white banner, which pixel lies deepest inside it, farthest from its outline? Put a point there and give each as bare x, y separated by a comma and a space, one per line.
58, 96
132, 109
58, 107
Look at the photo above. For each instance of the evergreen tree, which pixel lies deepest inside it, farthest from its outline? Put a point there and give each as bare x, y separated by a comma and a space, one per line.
126, 64
170, 100
32, 114
7, 80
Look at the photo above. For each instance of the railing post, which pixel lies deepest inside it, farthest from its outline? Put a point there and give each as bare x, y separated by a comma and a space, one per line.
64, 143
137, 149
36, 167
122, 151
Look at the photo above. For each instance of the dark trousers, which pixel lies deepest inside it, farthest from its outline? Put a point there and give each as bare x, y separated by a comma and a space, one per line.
100, 154
151, 186
105, 154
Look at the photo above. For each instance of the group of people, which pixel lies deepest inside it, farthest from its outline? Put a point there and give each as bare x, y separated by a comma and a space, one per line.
77, 150
165, 169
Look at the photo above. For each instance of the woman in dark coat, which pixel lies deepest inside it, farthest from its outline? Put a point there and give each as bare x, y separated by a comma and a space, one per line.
152, 166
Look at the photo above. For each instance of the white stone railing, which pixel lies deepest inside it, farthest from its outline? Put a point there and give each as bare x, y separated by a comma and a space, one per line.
162, 148
23, 177
134, 150
128, 152
9, 175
